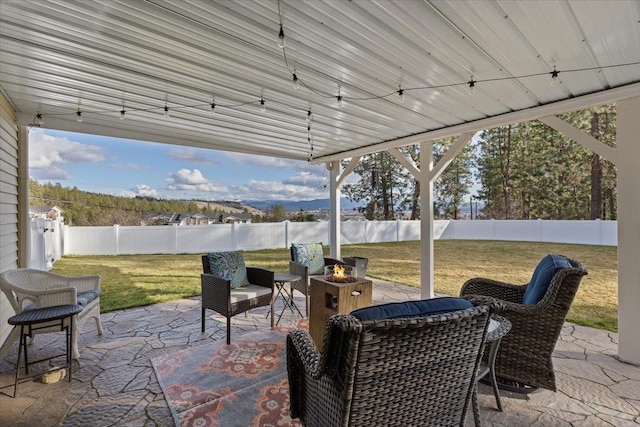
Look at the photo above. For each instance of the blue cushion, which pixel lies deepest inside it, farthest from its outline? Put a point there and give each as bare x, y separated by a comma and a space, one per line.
229, 266
425, 307
310, 255
542, 276
85, 298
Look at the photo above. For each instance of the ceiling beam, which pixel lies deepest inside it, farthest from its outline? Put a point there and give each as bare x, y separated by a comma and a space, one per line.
573, 104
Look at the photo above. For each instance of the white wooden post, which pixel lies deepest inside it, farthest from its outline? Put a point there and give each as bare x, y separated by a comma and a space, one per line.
426, 221
628, 133
334, 220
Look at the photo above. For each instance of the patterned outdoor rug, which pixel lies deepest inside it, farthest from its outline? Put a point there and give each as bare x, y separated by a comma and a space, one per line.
243, 384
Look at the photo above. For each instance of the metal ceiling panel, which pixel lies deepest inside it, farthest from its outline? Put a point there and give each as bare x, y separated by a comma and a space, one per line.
102, 56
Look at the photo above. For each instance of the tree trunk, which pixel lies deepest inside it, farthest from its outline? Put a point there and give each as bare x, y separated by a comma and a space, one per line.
596, 172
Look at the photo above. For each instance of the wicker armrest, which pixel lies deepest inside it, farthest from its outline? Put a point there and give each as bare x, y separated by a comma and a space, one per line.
85, 283
260, 277
493, 288
51, 297
213, 286
303, 350
297, 268
495, 305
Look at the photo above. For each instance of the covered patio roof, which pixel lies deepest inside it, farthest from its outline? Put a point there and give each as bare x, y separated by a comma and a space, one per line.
152, 70
101, 58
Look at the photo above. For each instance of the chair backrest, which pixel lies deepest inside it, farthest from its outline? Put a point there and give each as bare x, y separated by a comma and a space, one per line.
310, 255
420, 369
18, 283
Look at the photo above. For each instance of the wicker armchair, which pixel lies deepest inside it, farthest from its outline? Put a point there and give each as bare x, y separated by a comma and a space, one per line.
219, 296
416, 371
300, 269
27, 288
523, 362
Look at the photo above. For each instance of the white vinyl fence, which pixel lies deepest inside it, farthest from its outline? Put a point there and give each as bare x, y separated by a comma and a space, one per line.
118, 240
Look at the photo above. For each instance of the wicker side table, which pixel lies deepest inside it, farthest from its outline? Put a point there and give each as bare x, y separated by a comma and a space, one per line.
31, 320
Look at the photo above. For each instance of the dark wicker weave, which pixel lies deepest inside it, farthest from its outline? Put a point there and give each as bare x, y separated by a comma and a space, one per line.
216, 294
302, 270
524, 356
402, 372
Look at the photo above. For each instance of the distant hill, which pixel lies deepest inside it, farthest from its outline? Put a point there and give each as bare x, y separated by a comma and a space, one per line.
306, 205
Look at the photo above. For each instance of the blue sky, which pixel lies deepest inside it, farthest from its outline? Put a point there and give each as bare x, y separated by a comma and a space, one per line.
129, 168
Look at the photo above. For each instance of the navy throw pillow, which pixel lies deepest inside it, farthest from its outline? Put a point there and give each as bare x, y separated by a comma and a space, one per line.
425, 307
542, 276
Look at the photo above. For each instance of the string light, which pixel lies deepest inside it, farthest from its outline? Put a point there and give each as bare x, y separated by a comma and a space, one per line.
263, 107
166, 111
213, 107
472, 86
122, 113
309, 116
281, 43
79, 116
401, 94
296, 84
554, 77
339, 97
39, 119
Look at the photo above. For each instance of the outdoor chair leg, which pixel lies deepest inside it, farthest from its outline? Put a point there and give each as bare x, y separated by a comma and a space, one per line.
228, 330
203, 310
272, 307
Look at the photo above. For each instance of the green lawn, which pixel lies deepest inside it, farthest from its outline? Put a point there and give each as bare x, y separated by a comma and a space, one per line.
137, 280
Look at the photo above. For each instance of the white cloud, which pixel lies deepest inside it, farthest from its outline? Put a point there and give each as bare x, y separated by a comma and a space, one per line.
193, 180
142, 190
49, 154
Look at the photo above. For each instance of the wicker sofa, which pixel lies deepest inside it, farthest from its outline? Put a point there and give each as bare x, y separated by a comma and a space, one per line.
418, 371
523, 362
26, 288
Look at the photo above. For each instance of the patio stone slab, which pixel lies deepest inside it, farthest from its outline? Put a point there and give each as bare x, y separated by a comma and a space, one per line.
114, 384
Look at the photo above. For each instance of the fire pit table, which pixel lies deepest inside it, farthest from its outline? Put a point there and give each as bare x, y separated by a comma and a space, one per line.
335, 292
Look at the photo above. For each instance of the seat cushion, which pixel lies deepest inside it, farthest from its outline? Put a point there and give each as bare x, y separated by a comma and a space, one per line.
229, 266
247, 292
310, 255
406, 309
542, 275
85, 298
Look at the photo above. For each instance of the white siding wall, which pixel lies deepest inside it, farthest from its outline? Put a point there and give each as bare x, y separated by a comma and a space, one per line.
8, 203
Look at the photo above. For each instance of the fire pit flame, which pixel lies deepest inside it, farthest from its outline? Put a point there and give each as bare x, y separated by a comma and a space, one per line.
339, 273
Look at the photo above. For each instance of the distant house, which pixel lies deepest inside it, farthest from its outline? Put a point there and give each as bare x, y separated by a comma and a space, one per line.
192, 218
158, 218
46, 212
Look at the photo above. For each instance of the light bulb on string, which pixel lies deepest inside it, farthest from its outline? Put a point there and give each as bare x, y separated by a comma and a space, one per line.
555, 80
296, 83
79, 116
281, 43
339, 98
472, 86
122, 113
309, 116
263, 107
166, 111
401, 94
213, 107
39, 119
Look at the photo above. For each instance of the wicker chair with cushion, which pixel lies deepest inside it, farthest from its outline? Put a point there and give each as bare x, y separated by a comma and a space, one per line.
230, 288
537, 311
308, 260
27, 289
399, 364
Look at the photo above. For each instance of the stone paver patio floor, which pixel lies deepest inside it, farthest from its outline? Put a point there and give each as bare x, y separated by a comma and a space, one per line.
114, 384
